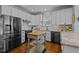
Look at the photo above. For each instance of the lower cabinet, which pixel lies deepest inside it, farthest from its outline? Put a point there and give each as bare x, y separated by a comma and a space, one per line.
26, 38
55, 37
48, 35
23, 37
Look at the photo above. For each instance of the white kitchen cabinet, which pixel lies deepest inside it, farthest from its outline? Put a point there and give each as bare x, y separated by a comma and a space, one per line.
1, 25
68, 16
21, 14
53, 18
7, 20
58, 18
22, 36
6, 10
18, 13
14, 12
62, 16
48, 35
35, 20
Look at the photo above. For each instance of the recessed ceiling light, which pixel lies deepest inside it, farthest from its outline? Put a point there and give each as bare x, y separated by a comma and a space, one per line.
45, 9
32, 9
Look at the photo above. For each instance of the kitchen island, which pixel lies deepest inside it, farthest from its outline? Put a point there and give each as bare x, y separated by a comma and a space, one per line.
70, 42
38, 46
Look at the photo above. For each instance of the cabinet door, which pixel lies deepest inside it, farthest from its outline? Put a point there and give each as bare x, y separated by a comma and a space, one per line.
57, 18
23, 37
14, 12
6, 10
1, 25
53, 18
63, 16
35, 20
68, 16
48, 36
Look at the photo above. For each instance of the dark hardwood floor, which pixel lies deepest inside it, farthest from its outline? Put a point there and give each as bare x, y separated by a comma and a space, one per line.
50, 48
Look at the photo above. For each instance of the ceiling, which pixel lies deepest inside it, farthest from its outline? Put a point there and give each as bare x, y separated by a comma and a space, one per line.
38, 9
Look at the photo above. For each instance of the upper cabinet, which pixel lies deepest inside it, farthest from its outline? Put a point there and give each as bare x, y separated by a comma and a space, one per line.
35, 19
6, 10
12, 11
53, 18
68, 16
62, 16
46, 19
1, 25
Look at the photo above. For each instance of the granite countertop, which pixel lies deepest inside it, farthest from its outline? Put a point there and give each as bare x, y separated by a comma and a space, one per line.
70, 38
51, 30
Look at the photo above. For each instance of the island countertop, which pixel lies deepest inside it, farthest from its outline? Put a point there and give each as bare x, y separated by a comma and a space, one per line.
70, 38
35, 33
